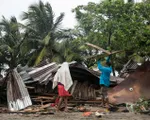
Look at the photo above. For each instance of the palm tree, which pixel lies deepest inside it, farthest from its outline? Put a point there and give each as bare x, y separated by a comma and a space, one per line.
10, 41
42, 31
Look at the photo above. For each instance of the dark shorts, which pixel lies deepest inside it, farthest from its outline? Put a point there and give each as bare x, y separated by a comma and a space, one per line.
104, 90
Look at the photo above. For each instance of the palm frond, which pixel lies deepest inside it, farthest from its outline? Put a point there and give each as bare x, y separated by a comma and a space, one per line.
50, 15
24, 16
58, 21
46, 40
5, 26
41, 56
4, 48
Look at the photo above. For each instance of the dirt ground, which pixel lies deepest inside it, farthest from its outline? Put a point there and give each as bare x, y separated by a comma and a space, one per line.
74, 116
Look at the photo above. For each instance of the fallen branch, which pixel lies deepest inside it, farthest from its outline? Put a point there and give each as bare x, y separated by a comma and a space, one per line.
99, 48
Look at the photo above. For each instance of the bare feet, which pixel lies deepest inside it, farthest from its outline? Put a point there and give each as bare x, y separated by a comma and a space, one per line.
107, 106
66, 110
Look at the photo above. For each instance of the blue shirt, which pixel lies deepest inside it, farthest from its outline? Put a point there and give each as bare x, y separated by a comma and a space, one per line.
105, 75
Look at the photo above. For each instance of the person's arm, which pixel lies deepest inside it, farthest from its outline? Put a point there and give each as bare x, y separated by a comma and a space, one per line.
110, 69
108, 59
100, 67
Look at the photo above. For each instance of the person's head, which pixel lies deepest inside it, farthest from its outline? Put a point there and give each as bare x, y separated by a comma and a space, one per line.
108, 64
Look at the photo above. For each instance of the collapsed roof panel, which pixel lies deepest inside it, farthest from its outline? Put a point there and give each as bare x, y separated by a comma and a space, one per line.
133, 87
17, 94
129, 67
81, 73
42, 74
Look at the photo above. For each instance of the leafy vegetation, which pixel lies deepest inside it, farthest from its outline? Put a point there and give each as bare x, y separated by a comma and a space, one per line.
141, 106
42, 31
115, 25
112, 25
10, 43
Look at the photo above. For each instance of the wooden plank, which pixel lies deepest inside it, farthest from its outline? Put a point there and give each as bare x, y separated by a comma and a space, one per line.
43, 94
37, 109
103, 50
99, 48
44, 97
29, 87
86, 102
45, 106
115, 52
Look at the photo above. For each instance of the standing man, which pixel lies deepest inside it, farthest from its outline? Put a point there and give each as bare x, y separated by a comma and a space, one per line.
63, 81
105, 79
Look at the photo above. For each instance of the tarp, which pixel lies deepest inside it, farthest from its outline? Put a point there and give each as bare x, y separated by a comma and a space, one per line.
135, 86
63, 76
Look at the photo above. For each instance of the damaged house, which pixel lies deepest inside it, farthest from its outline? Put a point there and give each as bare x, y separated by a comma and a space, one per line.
27, 86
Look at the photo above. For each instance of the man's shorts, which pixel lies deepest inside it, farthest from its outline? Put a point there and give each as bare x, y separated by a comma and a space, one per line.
104, 90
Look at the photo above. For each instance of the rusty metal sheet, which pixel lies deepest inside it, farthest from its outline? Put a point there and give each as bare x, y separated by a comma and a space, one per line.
133, 87
17, 94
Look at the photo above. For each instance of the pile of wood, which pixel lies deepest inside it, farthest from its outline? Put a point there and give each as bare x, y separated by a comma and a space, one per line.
43, 99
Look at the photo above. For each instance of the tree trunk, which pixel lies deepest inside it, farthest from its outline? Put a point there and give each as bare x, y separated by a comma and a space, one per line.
109, 43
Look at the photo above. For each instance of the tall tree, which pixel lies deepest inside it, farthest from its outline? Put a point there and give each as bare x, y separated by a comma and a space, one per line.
10, 42
43, 30
115, 25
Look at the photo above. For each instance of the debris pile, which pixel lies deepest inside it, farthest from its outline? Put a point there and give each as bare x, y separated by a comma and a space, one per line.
33, 86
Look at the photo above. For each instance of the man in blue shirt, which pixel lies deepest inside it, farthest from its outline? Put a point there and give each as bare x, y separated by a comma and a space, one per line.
104, 79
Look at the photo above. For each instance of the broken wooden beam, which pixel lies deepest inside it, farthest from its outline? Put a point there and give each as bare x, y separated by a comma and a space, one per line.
103, 50
99, 48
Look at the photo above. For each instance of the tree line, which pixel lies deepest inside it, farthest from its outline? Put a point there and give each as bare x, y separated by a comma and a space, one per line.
112, 25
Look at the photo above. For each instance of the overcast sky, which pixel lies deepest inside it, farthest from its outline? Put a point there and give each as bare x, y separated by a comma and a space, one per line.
15, 7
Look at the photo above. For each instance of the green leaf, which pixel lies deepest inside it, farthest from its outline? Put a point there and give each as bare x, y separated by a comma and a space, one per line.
41, 56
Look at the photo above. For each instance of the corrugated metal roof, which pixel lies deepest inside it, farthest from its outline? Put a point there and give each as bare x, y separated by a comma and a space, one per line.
130, 66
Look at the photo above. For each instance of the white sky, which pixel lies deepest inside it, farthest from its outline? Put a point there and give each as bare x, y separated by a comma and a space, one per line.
15, 7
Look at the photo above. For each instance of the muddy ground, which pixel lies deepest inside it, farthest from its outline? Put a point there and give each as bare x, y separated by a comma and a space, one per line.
74, 116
